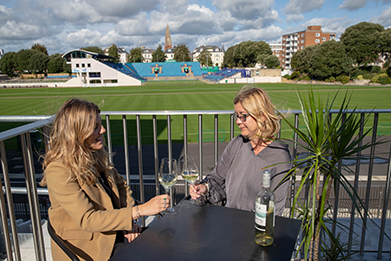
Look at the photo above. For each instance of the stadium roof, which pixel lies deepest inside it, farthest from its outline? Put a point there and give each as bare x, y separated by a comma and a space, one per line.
85, 54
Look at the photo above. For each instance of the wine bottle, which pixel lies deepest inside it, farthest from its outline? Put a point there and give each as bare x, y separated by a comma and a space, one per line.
264, 213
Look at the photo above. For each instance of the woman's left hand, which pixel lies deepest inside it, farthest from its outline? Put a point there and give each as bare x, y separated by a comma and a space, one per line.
132, 234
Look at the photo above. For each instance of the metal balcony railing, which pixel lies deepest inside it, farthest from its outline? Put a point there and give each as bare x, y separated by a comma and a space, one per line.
373, 186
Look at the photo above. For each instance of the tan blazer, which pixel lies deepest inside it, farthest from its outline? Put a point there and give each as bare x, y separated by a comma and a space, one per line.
84, 215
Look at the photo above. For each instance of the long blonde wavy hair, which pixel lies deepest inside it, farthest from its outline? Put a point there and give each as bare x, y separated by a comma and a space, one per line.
74, 123
257, 103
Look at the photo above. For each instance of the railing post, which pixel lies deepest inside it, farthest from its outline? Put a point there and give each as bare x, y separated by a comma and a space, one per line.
126, 149
216, 141
109, 145
11, 211
369, 181
32, 195
200, 145
169, 143
185, 147
155, 153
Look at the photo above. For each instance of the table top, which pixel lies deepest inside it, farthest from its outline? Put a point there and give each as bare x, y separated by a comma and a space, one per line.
210, 232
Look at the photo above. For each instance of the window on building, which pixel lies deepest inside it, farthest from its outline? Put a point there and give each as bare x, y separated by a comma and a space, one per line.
88, 65
302, 41
77, 65
302, 35
94, 74
317, 40
83, 65
323, 38
317, 34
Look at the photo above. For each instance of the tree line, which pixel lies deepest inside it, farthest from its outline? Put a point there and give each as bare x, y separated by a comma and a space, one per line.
359, 45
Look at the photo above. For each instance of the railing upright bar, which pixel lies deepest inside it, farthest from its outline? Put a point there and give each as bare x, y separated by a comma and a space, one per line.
355, 185
140, 164
369, 182
384, 210
109, 143
294, 152
232, 124
126, 149
185, 146
169, 143
336, 189
11, 211
216, 141
32, 196
200, 145
155, 153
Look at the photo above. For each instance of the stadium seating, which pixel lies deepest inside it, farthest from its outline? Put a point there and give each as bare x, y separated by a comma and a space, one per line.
225, 73
167, 69
126, 70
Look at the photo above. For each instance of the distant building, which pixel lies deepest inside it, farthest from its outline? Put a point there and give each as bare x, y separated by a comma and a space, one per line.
123, 54
167, 40
1, 53
217, 53
170, 53
147, 54
277, 50
296, 41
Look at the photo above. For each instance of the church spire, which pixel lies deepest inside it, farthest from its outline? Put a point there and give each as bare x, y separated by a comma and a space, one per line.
167, 40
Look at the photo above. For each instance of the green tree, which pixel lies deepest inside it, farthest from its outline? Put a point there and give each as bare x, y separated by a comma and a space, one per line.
56, 63
205, 57
23, 59
159, 55
38, 62
94, 49
247, 54
181, 53
385, 43
362, 42
229, 57
272, 61
135, 55
328, 60
302, 59
40, 48
8, 63
113, 52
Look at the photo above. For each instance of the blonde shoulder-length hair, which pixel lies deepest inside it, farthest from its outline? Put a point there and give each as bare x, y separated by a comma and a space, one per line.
257, 103
73, 124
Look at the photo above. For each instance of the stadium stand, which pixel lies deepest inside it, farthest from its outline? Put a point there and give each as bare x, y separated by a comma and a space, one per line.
126, 70
225, 73
165, 69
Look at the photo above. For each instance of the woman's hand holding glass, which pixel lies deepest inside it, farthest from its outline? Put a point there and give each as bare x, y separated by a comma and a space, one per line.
190, 173
198, 191
168, 176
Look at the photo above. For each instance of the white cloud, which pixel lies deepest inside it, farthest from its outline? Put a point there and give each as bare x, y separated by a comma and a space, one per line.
294, 18
384, 18
300, 6
353, 4
245, 9
139, 25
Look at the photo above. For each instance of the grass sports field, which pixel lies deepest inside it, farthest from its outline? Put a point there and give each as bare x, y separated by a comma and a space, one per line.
192, 95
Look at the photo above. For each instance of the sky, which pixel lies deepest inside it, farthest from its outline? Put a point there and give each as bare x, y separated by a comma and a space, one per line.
64, 25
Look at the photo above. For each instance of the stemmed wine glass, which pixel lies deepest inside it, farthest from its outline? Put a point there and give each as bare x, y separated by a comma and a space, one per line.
168, 176
190, 173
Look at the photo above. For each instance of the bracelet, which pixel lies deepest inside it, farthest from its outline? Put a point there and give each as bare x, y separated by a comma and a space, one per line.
138, 213
207, 186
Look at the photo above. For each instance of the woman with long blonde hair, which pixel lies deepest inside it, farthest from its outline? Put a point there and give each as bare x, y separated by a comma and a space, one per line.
237, 176
92, 208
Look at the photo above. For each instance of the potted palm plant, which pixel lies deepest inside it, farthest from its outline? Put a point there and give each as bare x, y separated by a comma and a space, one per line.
325, 140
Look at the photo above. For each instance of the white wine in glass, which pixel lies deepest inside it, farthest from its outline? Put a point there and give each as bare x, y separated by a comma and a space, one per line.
168, 176
190, 173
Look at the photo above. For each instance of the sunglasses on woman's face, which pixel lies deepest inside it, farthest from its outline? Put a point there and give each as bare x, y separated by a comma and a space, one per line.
242, 117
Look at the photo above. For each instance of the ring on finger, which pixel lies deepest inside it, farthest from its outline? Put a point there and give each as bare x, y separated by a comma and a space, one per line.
164, 205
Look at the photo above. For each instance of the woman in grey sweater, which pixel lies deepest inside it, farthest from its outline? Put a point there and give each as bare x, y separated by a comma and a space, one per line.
237, 177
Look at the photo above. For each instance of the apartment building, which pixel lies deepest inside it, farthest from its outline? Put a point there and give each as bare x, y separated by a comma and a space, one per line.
147, 54
122, 53
217, 53
277, 50
293, 42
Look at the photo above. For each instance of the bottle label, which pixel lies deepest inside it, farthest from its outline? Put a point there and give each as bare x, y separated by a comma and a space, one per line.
260, 214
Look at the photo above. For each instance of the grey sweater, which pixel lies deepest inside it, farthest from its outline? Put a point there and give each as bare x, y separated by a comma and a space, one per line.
237, 177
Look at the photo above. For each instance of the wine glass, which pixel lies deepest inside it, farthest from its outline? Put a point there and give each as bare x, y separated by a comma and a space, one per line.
190, 173
168, 176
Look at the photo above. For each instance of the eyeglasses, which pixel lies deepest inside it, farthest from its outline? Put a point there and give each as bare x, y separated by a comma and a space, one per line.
242, 117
